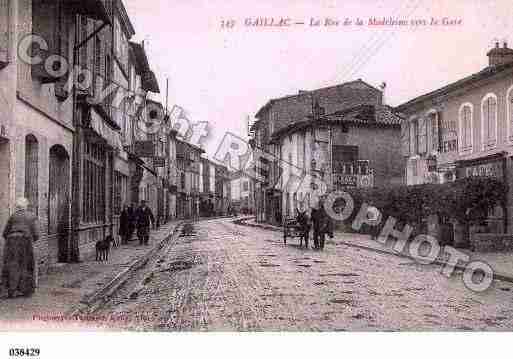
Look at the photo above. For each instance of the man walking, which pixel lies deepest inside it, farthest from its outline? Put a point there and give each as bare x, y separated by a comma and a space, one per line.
144, 219
321, 225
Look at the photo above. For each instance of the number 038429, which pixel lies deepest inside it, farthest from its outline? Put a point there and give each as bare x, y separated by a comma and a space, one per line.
24, 352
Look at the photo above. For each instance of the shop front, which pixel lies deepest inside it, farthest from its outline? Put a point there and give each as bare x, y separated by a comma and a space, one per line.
491, 233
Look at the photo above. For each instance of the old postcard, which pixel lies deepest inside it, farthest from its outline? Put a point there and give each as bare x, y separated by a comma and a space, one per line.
273, 166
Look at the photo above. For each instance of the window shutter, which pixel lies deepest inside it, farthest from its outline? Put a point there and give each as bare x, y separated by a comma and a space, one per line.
405, 139
435, 132
485, 125
412, 139
422, 135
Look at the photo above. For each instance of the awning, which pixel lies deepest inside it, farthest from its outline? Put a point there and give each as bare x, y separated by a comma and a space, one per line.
95, 9
112, 137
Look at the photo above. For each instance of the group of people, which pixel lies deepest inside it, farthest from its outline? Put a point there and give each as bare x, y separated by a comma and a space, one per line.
132, 219
19, 270
321, 223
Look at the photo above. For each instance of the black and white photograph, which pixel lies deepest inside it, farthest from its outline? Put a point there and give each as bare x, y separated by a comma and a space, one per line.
235, 167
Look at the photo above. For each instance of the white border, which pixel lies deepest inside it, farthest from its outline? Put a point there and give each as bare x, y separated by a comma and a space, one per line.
488, 95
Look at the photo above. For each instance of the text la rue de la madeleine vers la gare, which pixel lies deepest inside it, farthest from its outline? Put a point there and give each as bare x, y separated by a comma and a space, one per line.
334, 21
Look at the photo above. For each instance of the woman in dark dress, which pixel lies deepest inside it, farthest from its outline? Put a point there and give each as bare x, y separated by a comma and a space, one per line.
19, 265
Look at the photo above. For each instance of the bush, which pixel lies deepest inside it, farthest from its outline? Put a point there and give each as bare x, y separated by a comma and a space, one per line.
468, 200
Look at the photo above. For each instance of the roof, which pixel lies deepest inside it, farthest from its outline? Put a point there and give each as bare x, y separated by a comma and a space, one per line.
142, 67
125, 19
180, 141
303, 93
361, 115
142, 64
501, 51
487, 72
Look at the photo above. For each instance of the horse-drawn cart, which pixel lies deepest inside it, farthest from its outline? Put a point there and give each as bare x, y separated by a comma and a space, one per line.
295, 228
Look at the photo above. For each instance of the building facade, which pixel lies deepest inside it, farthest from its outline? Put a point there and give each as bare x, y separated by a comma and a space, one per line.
280, 116
242, 193
188, 158
37, 125
69, 124
465, 129
354, 148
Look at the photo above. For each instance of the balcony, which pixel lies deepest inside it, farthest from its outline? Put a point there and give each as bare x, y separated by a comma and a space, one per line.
94, 9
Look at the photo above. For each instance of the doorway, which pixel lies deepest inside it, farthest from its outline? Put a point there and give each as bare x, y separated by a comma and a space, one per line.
59, 201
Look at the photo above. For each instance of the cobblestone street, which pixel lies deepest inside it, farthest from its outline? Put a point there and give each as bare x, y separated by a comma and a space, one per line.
232, 277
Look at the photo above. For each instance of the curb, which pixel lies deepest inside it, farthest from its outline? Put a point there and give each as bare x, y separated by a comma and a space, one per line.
496, 275
89, 303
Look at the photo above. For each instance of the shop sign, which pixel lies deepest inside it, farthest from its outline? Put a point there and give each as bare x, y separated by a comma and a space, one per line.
492, 169
342, 181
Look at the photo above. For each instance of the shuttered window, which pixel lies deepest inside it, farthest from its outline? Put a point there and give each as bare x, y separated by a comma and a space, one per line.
466, 127
93, 210
405, 138
435, 133
489, 119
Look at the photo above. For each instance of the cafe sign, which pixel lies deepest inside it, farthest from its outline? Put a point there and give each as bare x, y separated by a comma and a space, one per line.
491, 169
343, 181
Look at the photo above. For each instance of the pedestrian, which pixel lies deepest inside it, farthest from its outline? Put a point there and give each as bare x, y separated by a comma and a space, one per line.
19, 272
144, 220
124, 224
321, 225
132, 220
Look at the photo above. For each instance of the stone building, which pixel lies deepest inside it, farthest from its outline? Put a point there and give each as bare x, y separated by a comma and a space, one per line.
242, 193
207, 188
465, 129
357, 147
37, 126
188, 159
278, 118
71, 149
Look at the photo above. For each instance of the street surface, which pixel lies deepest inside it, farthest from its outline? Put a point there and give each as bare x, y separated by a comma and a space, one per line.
228, 277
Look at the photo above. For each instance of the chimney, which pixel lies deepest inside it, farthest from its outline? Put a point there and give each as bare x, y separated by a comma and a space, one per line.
383, 88
500, 55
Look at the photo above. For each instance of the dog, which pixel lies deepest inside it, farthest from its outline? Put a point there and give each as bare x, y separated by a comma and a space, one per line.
103, 249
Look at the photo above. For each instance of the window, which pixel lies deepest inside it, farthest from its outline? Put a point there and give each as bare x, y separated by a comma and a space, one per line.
97, 62
108, 65
93, 201
414, 168
245, 186
414, 137
489, 121
466, 126
509, 112
433, 130
31, 172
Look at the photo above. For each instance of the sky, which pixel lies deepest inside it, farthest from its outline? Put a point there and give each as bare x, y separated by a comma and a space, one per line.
223, 75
